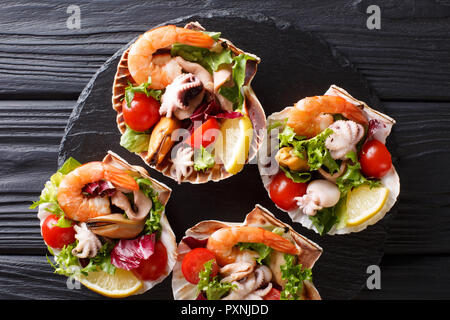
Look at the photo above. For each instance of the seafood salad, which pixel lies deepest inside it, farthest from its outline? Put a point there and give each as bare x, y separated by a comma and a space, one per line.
260, 259
325, 163
105, 226
185, 105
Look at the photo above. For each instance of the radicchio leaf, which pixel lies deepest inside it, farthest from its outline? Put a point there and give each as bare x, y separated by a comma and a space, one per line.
201, 296
100, 188
128, 254
374, 127
212, 110
195, 243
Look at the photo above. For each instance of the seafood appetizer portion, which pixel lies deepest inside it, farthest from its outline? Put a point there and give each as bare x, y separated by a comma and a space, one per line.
325, 163
105, 226
185, 105
259, 259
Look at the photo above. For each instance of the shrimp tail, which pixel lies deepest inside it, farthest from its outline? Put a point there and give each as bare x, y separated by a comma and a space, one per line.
195, 38
120, 178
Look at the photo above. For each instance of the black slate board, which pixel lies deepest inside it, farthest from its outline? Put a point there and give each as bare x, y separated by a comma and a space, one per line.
294, 64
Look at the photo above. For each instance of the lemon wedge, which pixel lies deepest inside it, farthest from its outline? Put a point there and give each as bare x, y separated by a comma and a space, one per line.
233, 145
363, 203
122, 284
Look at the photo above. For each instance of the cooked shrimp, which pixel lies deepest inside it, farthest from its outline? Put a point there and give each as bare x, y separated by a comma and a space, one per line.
140, 58
70, 191
312, 115
222, 242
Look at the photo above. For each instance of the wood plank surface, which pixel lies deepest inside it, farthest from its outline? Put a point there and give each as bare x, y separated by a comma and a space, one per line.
40, 56
44, 66
421, 225
405, 277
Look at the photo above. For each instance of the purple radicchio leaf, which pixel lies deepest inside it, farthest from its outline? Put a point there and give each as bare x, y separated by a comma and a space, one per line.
375, 126
128, 253
195, 243
212, 110
100, 188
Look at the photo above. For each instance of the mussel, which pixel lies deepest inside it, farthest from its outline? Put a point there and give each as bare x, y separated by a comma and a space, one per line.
115, 226
160, 140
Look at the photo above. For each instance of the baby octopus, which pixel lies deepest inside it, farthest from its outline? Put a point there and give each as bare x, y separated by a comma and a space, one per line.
182, 96
345, 136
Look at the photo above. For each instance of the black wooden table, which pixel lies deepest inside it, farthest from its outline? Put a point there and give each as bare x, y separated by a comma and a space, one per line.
45, 63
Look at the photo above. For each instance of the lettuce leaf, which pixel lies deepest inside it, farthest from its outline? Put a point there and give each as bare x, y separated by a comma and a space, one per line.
142, 88
50, 191
262, 249
299, 177
209, 60
352, 177
203, 159
213, 288
67, 264
153, 221
295, 275
68, 166
318, 154
135, 141
213, 34
235, 94
102, 261
325, 219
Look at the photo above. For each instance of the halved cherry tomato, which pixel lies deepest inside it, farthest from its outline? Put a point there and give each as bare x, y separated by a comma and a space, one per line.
155, 266
274, 294
283, 190
375, 159
193, 263
54, 236
143, 114
205, 134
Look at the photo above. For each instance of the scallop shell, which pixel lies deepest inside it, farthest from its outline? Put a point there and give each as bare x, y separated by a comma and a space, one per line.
251, 104
258, 217
167, 235
268, 166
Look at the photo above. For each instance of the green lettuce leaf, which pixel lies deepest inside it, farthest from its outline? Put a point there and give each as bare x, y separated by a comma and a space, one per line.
213, 288
142, 88
209, 60
299, 177
235, 94
68, 166
325, 219
352, 177
318, 154
294, 275
102, 261
203, 159
213, 34
153, 221
50, 191
135, 141
262, 249
68, 264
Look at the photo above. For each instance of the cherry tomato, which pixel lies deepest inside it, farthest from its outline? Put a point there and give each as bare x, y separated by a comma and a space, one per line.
155, 266
283, 190
54, 236
375, 159
205, 134
274, 294
193, 263
143, 114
